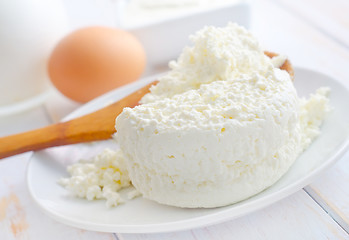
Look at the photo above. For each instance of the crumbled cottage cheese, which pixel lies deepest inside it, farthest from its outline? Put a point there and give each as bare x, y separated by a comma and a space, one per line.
224, 124
218, 54
221, 126
99, 178
312, 113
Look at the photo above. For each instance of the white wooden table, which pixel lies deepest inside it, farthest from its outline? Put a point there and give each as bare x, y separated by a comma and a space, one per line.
314, 34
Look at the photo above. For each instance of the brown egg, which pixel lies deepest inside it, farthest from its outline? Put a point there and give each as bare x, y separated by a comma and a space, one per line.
94, 60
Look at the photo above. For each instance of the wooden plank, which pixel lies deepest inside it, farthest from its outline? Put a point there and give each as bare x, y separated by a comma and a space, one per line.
329, 17
331, 192
281, 31
311, 48
296, 217
20, 218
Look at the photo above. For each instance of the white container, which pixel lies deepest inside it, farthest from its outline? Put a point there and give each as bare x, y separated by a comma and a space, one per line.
29, 30
164, 40
163, 32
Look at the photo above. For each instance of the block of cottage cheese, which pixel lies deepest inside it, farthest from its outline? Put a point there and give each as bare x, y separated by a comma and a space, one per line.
224, 124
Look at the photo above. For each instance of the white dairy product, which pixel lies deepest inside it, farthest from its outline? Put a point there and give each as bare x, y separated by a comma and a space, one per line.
94, 179
312, 113
278, 61
217, 54
99, 178
221, 126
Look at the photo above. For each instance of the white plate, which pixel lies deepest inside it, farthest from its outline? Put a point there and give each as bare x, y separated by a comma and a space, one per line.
140, 215
24, 105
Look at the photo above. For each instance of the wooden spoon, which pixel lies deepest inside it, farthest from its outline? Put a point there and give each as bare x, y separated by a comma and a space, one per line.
98, 125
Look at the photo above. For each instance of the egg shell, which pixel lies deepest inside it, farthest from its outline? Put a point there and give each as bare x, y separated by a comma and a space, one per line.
95, 60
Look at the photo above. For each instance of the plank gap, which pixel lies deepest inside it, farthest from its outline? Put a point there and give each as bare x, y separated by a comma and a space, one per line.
117, 236
330, 211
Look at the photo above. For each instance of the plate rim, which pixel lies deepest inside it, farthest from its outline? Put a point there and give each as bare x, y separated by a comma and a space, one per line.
195, 222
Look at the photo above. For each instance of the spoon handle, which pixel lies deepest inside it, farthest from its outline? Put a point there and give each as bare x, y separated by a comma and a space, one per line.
95, 126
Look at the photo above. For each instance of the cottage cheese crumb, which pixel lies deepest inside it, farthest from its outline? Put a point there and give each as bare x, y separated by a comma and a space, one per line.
99, 178
133, 194
312, 113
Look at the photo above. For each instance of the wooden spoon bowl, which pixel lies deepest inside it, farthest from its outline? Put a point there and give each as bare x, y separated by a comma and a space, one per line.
287, 66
